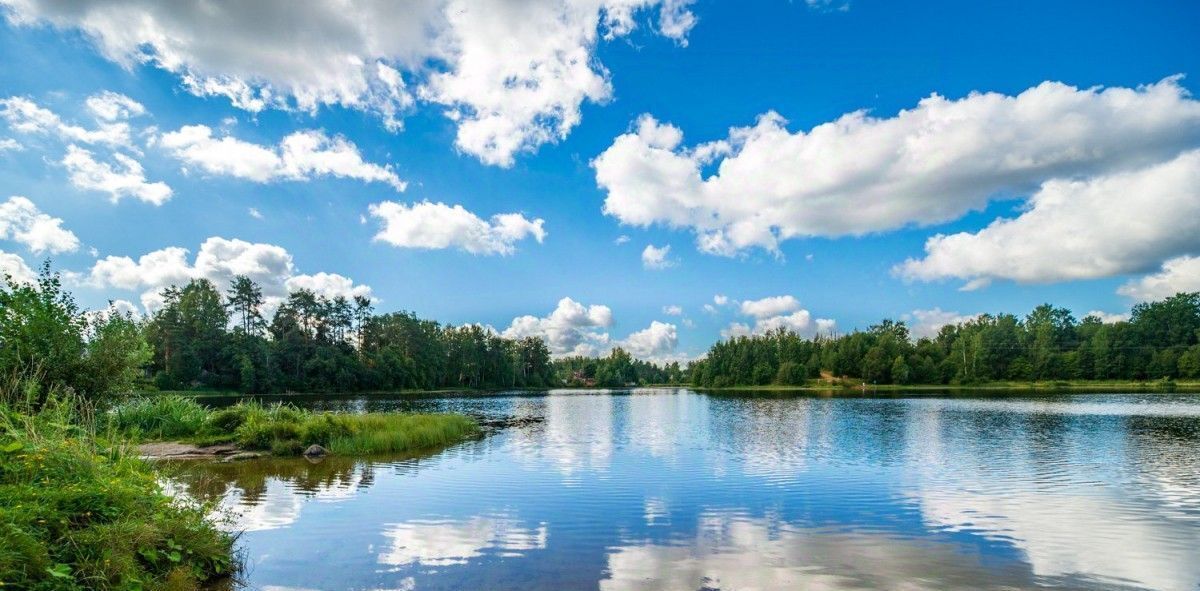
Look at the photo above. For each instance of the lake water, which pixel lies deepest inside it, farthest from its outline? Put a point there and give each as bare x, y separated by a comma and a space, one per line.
668, 489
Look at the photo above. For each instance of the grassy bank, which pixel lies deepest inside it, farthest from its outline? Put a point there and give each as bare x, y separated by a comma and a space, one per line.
283, 429
76, 514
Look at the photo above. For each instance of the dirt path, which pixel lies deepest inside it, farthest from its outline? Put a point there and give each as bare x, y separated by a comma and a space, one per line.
174, 450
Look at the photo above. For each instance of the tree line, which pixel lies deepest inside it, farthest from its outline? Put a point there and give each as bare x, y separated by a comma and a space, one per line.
1160, 340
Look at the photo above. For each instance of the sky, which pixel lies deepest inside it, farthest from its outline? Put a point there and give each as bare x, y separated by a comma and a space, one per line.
651, 174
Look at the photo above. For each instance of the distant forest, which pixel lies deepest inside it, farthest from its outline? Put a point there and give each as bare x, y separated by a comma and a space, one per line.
203, 338
1160, 340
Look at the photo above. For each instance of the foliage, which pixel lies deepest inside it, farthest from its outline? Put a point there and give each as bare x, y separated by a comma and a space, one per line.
1161, 340
618, 369
76, 515
283, 429
44, 334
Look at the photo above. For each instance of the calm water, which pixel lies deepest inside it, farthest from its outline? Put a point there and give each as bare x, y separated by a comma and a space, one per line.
674, 490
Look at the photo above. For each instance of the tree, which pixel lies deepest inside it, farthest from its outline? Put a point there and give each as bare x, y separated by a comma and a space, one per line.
41, 331
246, 300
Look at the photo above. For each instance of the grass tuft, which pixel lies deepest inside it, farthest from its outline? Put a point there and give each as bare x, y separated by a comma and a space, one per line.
284, 429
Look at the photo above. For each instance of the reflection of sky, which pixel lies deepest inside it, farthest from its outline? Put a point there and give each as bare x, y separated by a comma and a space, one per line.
674, 490
440, 543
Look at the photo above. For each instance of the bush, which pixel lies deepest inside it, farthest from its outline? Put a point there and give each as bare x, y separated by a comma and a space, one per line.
75, 515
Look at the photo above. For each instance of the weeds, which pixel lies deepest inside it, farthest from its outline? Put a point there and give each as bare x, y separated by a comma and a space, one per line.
284, 429
76, 514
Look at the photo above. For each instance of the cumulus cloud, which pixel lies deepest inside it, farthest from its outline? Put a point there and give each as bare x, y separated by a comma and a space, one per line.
300, 156
10, 145
653, 342
25, 116
125, 179
777, 313
673, 310
437, 225
861, 174
720, 299
1180, 274
622, 239
218, 260
571, 329
770, 306
14, 267
21, 221
113, 106
1109, 317
512, 75
1124, 222
657, 258
927, 323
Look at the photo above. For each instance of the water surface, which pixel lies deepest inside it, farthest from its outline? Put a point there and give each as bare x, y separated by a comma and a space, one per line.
668, 489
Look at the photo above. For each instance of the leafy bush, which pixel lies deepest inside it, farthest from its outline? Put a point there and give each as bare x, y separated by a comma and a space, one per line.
76, 515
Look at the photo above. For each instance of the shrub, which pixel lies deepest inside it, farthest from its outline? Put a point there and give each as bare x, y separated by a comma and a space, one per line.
75, 515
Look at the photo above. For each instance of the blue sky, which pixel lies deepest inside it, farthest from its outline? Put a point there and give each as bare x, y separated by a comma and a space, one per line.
773, 204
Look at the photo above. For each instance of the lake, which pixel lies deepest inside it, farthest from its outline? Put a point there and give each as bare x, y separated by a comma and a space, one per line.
670, 489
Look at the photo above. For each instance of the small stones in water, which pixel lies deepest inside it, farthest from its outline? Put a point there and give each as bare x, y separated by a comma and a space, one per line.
315, 451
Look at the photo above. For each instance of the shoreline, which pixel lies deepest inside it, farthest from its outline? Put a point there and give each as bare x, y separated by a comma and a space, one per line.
1105, 387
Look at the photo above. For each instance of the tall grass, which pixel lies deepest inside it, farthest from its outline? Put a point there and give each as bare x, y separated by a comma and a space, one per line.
393, 433
284, 429
158, 417
77, 514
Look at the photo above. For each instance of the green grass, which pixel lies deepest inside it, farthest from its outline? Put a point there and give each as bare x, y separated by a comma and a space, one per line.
284, 429
77, 514
391, 433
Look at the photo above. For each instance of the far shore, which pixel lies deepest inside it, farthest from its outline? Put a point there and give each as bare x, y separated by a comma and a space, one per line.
846, 386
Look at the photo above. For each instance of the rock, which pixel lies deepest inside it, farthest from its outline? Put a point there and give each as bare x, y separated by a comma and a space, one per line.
315, 451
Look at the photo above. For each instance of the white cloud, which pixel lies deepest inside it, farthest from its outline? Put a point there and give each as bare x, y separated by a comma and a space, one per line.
720, 299
656, 258
9, 144
218, 260
23, 222
710, 309
1180, 274
672, 310
774, 313
927, 323
861, 174
1125, 222
254, 213
114, 106
25, 116
571, 329
653, 342
437, 225
330, 285
14, 266
622, 239
512, 75
770, 306
300, 156
126, 179
1109, 317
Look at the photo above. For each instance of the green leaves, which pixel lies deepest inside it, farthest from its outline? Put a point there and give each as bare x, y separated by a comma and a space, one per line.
59, 571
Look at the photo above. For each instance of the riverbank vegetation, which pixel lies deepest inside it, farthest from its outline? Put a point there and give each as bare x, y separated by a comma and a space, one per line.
77, 513
1159, 343
285, 430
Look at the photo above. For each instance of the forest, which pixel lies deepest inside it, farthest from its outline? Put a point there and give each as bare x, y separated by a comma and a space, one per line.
201, 338
1161, 340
